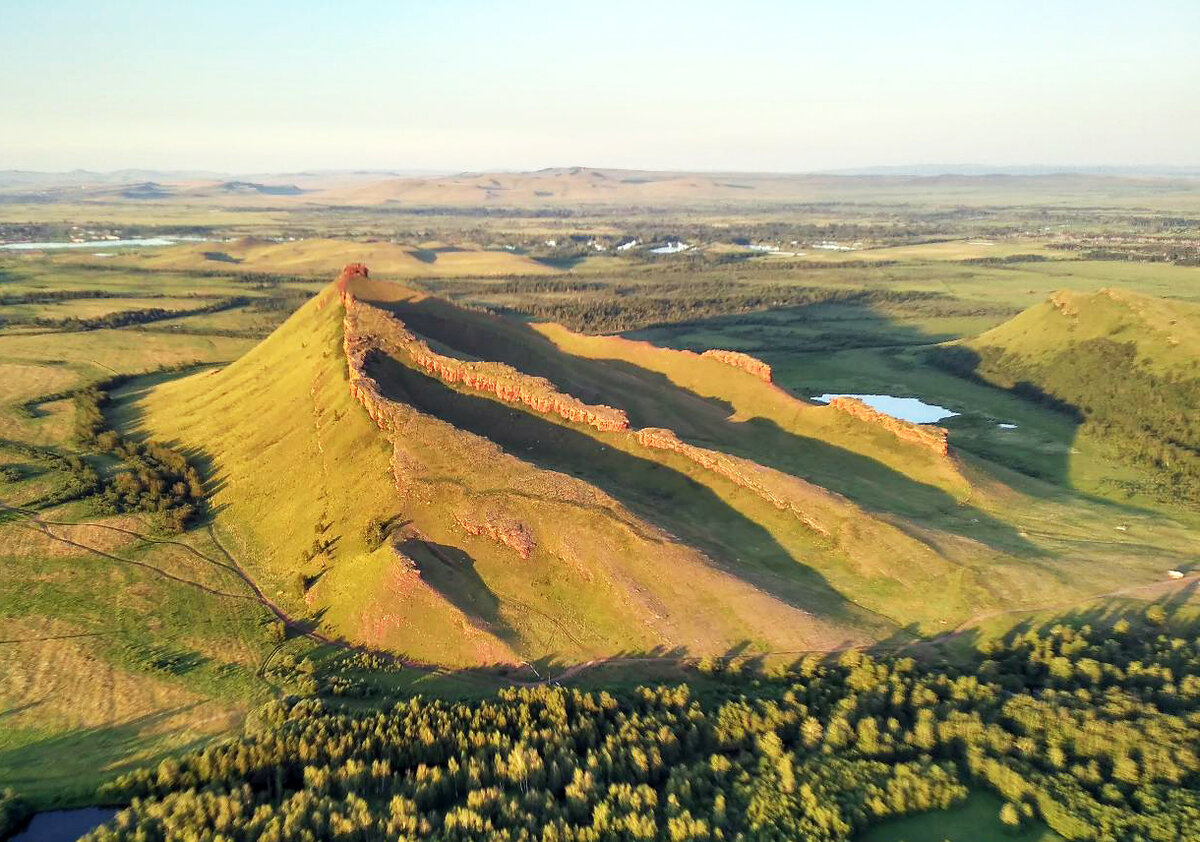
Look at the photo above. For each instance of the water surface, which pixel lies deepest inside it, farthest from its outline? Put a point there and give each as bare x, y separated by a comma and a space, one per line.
64, 825
89, 244
906, 409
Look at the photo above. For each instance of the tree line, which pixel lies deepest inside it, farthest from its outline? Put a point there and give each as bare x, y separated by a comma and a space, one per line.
1092, 730
124, 318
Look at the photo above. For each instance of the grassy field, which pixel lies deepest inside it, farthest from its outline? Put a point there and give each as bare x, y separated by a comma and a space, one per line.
120, 648
326, 257
975, 820
116, 646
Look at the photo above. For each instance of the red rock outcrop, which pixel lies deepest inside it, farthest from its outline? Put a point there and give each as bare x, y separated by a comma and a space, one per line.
499, 379
743, 361
501, 529
765, 482
368, 329
350, 271
923, 435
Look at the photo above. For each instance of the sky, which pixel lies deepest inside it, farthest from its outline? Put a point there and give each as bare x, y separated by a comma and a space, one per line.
455, 85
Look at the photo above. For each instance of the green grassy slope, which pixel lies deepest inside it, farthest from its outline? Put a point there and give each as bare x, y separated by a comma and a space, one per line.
634, 549
1123, 368
291, 450
1166, 332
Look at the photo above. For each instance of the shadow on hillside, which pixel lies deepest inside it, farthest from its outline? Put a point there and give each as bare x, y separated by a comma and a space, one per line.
651, 399
112, 749
1052, 466
451, 572
733, 668
653, 491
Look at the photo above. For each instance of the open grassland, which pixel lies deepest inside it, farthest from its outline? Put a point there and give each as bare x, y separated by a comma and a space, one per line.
325, 257
119, 648
977, 819
118, 643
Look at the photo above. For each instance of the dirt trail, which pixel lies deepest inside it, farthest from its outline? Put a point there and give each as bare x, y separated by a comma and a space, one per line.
43, 527
231, 564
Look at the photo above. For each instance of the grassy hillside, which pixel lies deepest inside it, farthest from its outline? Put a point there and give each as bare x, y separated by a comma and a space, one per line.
1123, 367
468, 528
604, 583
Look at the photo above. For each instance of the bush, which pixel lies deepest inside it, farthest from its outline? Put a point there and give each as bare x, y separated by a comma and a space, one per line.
375, 533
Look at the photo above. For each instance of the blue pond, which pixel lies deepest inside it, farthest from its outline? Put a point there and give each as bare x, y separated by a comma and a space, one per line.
64, 825
906, 409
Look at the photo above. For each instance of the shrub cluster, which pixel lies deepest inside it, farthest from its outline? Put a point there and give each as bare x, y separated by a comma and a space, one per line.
152, 478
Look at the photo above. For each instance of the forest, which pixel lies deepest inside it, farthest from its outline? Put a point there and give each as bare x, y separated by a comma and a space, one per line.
599, 307
1090, 729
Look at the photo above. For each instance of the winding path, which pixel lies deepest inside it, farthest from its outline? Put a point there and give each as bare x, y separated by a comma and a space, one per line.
231, 565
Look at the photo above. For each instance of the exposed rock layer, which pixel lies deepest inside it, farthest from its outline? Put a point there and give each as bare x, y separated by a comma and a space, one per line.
499, 379
929, 437
368, 328
743, 361
765, 482
501, 529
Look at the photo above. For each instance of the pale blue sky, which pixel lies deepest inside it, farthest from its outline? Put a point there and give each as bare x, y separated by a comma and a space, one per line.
266, 86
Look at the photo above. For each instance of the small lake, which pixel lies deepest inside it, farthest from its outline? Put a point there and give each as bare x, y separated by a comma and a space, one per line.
64, 825
90, 244
906, 409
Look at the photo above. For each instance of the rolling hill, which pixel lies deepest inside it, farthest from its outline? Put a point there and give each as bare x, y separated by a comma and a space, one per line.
324, 256
1124, 366
467, 489
583, 186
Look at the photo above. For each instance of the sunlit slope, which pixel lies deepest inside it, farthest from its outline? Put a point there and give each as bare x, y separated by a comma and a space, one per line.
1165, 332
292, 451
702, 399
554, 496
1123, 370
741, 489
327, 256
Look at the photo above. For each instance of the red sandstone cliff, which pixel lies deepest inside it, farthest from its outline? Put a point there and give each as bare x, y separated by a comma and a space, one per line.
743, 361
931, 438
499, 379
501, 529
349, 272
367, 328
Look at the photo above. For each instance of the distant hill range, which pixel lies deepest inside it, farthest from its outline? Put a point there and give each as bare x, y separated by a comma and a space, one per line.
1174, 171
586, 186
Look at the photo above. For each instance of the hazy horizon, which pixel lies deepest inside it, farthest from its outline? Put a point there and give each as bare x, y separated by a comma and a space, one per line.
773, 87
914, 170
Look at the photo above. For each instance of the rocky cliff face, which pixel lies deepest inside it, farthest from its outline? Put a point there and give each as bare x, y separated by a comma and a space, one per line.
499, 379
743, 361
351, 271
769, 484
369, 329
928, 437
500, 528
